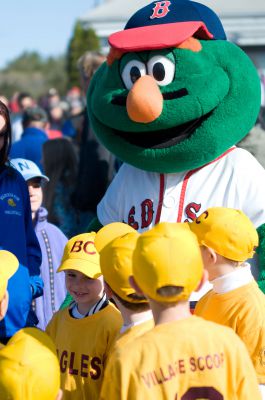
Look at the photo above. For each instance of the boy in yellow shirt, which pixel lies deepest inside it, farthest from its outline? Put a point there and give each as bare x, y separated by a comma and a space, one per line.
228, 238
29, 368
183, 356
83, 332
115, 243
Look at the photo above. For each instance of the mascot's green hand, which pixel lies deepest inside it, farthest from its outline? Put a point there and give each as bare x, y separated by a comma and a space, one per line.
261, 254
94, 225
67, 301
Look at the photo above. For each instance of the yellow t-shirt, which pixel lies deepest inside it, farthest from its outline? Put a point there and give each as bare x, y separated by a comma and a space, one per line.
243, 310
186, 359
132, 333
83, 346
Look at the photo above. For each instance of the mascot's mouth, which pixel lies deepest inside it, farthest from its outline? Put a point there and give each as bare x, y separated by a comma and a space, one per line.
163, 138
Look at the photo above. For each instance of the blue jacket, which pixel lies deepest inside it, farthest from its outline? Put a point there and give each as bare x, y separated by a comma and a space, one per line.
17, 235
30, 146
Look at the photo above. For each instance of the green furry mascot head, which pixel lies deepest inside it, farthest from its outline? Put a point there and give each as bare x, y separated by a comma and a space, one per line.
174, 92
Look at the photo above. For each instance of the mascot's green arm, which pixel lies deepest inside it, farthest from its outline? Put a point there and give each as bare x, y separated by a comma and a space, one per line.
261, 254
94, 226
67, 301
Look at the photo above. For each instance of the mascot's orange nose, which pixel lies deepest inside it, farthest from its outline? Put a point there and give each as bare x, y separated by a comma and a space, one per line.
144, 101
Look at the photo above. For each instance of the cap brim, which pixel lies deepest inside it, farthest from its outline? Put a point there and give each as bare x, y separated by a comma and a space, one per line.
88, 268
10, 264
158, 36
110, 232
44, 177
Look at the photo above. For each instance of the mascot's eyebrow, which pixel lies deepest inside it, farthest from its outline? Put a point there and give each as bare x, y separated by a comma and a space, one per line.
114, 54
191, 44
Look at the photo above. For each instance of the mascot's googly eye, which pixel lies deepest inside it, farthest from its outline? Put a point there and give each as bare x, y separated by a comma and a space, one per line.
161, 69
132, 71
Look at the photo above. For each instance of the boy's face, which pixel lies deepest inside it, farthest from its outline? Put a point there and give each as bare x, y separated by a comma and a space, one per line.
84, 290
35, 193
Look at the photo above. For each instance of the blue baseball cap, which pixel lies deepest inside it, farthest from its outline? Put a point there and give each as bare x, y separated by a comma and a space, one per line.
163, 24
28, 169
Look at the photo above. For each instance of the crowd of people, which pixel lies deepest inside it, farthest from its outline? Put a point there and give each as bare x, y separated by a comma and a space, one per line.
125, 288
54, 132
73, 301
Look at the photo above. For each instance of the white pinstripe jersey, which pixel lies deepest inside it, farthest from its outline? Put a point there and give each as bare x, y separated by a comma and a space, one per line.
141, 198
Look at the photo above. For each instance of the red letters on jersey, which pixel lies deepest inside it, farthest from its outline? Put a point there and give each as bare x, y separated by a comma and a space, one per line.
191, 211
87, 367
147, 213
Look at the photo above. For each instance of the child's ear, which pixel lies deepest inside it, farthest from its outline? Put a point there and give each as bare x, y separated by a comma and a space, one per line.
212, 255
208, 255
108, 290
135, 286
4, 305
203, 280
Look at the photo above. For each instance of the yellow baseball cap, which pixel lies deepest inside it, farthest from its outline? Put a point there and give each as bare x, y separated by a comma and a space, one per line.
110, 232
8, 266
29, 367
116, 265
167, 255
80, 254
227, 231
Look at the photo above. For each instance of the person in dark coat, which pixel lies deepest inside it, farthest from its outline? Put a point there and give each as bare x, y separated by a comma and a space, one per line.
34, 123
96, 163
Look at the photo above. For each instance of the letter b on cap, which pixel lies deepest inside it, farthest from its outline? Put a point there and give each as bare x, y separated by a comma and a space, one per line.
161, 9
88, 247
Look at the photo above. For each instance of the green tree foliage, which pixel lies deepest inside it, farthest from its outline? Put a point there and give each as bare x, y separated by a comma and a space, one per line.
29, 72
81, 41
27, 61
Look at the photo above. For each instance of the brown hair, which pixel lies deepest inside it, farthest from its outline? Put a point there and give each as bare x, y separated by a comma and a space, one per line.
8, 138
89, 62
60, 165
168, 291
137, 306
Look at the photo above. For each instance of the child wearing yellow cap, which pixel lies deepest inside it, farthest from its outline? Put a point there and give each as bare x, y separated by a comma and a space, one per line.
8, 266
183, 356
83, 332
115, 243
29, 368
228, 238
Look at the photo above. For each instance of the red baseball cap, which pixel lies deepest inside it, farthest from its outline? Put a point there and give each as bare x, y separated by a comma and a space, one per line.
163, 24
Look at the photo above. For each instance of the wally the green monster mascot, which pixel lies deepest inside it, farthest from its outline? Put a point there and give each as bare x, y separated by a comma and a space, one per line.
171, 102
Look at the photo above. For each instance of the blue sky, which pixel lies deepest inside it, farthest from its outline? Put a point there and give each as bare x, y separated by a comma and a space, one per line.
45, 26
